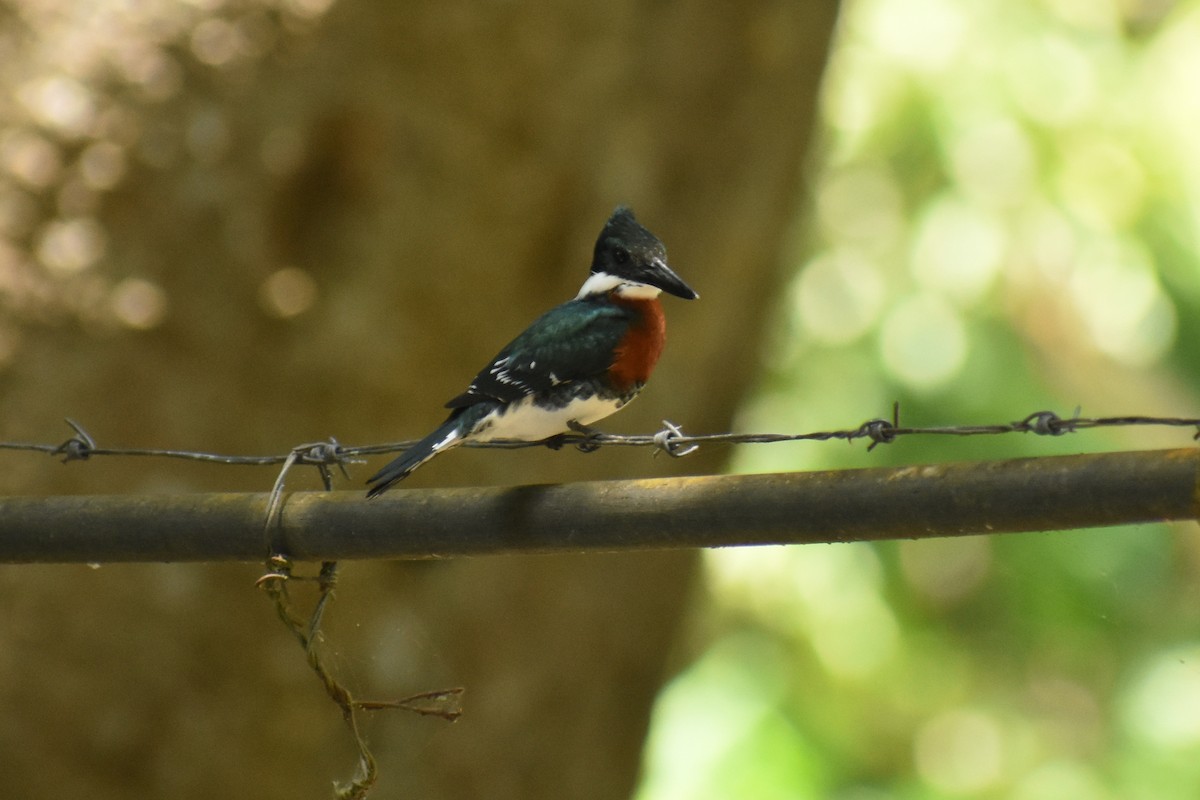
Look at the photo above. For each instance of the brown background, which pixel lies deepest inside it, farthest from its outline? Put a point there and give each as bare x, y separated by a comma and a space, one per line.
441, 171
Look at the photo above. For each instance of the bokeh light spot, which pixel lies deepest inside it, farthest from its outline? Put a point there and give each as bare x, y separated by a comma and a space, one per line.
856, 637
993, 162
1052, 81
309, 9
216, 41
946, 571
30, 158
1162, 707
1061, 779
960, 752
925, 35
288, 292
861, 204
71, 245
828, 596
1102, 183
61, 104
152, 70
838, 297
957, 250
138, 303
1127, 314
923, 342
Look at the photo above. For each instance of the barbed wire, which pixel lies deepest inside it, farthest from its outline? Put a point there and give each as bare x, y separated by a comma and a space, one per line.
445, 703
671, 439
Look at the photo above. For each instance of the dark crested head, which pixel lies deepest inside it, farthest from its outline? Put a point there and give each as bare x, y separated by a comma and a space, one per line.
628, 257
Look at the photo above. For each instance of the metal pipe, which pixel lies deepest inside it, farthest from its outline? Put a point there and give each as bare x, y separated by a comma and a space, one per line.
1027, 494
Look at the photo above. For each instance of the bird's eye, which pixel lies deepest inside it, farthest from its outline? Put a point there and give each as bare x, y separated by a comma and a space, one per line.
621, 255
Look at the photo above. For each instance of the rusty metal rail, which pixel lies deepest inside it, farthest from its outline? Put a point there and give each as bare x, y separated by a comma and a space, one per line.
1028, 494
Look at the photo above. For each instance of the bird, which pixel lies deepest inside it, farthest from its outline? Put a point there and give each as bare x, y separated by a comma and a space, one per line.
576, 364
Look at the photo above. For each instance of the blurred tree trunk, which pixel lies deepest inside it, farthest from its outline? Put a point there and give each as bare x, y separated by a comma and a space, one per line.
439, 171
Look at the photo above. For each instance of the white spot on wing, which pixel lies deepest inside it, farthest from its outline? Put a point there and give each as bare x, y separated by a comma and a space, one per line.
445, 441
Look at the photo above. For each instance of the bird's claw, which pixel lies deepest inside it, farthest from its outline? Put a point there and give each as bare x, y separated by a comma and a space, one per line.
557, 441
586, 446
578, 427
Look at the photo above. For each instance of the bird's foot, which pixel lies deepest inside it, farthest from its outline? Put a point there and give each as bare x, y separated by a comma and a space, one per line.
557, 441
585, 446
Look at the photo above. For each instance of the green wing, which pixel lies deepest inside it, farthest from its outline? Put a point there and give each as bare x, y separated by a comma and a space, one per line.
571, 342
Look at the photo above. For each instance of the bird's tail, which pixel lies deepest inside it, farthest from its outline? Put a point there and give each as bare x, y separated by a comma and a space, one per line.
449, 435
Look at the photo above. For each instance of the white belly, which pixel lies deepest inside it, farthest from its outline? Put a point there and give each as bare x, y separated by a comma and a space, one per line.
527, 422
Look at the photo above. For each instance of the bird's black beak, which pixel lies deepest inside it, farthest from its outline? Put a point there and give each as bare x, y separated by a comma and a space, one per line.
660, 275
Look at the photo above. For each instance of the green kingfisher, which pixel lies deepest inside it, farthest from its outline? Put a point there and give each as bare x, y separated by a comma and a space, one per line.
576, 364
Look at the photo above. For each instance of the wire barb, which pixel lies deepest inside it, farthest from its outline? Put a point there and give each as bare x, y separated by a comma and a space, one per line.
668, 441
1047, 423
78, 447
879, 431
326, 454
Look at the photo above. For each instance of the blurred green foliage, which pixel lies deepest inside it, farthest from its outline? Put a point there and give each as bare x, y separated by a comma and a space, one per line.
1004, 219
